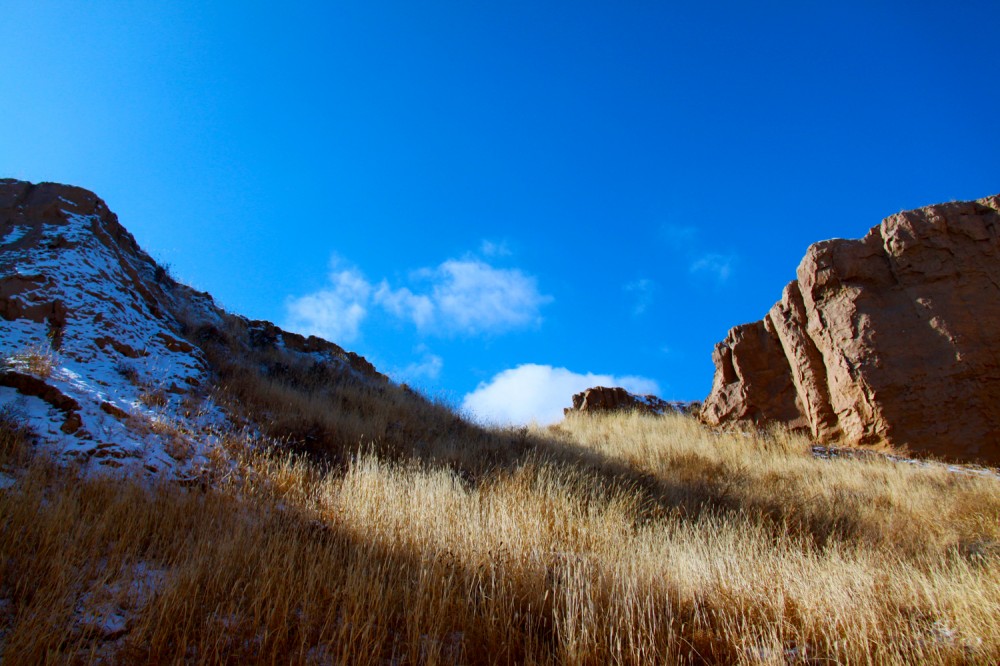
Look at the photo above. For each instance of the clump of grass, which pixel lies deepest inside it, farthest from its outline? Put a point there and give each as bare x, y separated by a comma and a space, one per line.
127, 370
870, 499
153, 397
39, 360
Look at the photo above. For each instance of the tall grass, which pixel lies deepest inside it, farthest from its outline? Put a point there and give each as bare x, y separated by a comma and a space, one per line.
39, 360
326, 410
619, 539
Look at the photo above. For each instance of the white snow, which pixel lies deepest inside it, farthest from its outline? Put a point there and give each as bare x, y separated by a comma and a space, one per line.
156, 389
832, 452
107, 609
14, 235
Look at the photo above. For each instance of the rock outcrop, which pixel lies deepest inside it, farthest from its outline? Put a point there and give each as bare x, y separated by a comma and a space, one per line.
105, 354
892, 338
617, 399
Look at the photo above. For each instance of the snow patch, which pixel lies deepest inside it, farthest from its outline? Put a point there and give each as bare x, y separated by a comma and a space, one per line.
14, 235
834, 452
107, 610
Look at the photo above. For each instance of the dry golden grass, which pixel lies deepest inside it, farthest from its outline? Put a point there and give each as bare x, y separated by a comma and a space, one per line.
326, 411
38, 360
620, 539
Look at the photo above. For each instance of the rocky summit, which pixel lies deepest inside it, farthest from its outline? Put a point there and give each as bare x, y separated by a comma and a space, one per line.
891, 338
618, 399
104, 353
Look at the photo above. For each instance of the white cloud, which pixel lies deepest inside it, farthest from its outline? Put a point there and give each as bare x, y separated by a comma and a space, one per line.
539, 393
642, 293
719, 266
404, 304
472, 297
334, 313
466, 296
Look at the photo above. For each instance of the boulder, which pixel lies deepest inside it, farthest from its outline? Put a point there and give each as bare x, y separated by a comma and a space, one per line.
892, 338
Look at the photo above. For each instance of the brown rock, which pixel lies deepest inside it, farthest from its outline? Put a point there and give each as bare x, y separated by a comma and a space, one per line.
120, 347
617, 399
28, 385
175, 345
894, 338
114, 411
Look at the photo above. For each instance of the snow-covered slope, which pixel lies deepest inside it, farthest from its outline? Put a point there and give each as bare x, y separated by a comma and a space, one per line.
90, 353
93, 352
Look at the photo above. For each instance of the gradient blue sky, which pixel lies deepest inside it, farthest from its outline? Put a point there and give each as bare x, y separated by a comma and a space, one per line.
503, 196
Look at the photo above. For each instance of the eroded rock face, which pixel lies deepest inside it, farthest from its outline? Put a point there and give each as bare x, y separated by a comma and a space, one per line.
894, 337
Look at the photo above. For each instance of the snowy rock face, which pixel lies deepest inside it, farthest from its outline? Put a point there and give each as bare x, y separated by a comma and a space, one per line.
892, 337
100, 348
90, 350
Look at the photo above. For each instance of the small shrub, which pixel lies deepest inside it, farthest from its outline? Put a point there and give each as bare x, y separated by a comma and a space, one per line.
127, 371
163, 274
153, 397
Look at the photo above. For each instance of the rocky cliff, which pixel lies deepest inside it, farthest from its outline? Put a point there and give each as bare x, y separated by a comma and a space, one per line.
105, 355
891, 338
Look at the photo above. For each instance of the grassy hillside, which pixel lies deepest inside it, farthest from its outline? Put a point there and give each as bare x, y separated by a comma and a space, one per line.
616, 539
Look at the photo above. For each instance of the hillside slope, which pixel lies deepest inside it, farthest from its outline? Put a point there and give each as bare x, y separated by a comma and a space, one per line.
112, 361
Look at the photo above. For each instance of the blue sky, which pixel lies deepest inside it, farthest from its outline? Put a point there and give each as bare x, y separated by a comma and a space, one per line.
503, 202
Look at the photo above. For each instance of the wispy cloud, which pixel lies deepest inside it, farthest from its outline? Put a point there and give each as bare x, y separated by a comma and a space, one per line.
717, 266
678, 235
466, 296
460, 296
334, 312
642, 292
490, 248
702, 260
404, 304
473, 297
428, 367
539, 393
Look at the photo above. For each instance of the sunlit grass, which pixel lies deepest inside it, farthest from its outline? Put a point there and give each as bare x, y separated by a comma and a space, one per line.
619, 539
38, 360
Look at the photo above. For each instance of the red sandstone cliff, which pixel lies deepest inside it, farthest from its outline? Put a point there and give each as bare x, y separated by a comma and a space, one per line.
894, 337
